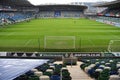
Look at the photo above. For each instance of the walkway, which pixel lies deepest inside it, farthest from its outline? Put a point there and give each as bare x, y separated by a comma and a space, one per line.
76, 72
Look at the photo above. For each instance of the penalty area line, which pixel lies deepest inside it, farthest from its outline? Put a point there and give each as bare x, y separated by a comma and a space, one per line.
92, 42
27, 42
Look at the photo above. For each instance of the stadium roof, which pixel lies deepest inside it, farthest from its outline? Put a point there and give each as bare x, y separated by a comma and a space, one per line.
38, 2
110, 4
62, 7
16, 2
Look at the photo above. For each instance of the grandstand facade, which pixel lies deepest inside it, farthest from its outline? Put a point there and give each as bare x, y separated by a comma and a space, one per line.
61, 11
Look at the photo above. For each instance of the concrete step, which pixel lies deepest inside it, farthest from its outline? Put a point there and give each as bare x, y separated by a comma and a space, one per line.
77, 74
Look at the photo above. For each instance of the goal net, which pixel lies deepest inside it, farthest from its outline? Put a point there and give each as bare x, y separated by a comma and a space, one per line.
114, 46
59, 42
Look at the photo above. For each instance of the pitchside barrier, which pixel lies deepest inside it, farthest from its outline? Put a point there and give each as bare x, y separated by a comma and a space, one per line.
60, 55
117, 24
54, 54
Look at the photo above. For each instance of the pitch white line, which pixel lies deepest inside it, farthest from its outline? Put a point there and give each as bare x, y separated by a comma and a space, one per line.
27, 42
116, 36
92, 42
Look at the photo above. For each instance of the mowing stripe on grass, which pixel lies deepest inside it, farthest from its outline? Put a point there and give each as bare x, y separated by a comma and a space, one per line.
91, 42
11, 33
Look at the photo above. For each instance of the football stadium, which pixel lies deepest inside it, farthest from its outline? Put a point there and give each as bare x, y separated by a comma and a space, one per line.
59, 40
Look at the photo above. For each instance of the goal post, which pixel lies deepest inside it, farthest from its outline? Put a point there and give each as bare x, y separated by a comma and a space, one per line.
114, 46
59, 42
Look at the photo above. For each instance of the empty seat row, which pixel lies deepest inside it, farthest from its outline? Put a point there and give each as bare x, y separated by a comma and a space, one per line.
47, 71
102, 69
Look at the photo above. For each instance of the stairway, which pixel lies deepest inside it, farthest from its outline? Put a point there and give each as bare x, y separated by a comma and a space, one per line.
78, 74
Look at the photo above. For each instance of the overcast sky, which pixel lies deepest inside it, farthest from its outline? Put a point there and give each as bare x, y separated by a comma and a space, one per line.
37, 2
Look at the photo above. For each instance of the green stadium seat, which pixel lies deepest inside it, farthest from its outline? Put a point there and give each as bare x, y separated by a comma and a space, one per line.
47, 73
33, 77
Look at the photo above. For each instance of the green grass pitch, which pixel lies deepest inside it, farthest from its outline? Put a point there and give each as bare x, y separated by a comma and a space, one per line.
91, 36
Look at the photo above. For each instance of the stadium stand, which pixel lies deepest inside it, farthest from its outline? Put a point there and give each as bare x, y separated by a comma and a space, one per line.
96, 66
112, 12
61, 11
46, 71
15, 16
111, 15
15, 11
102, 69
9, 13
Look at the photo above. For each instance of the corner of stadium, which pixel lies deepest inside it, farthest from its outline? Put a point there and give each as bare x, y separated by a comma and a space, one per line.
75, 41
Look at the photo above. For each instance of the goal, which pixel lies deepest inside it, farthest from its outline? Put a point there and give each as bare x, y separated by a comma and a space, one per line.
114, 46
59, 42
